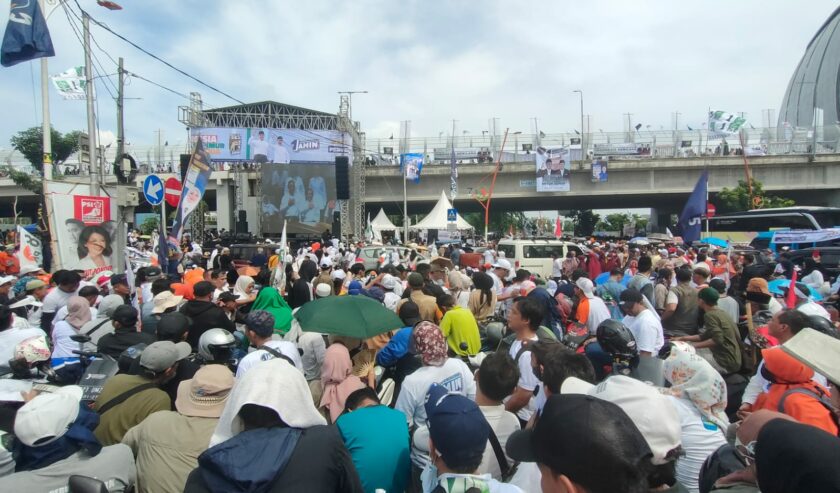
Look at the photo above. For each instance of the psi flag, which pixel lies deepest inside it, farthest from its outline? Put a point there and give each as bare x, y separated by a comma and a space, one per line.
27, 36
195, 183
691, 219
722, 123
30, 253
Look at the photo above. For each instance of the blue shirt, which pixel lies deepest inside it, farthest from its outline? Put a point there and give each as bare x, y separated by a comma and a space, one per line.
378, 441
396, 348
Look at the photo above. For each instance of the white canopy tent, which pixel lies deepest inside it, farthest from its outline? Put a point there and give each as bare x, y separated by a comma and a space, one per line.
437, 218
382, 223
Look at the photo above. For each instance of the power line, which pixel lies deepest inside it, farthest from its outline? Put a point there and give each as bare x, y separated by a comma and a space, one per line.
161, 60
173, 91
95, 61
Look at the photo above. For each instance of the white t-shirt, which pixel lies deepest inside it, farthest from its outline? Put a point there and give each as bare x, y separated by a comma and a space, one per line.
258, 146
503, 423
55, 299
286, 348
699, 437
498, 285
647, 329
557, 268
281, 155
489, 256
811, 308
63, 346
62, 314
527, 379
391, 300
598, 312
10, 338
455, 375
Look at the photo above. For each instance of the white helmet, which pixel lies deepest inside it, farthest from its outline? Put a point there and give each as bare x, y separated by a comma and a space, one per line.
216, 345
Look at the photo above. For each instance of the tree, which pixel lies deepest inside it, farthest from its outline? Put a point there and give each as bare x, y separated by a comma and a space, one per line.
614, 222
738, 198
500, 222
150, 225
585, 221
29, 142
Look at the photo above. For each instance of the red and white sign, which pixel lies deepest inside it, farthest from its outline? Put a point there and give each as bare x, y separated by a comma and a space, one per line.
172, 191
710, 210
91, 210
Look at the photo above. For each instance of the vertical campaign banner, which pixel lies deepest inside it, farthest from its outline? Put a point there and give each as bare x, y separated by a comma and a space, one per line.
195, 183
599, 170
554, 169
412, 166
30, 253
86, 234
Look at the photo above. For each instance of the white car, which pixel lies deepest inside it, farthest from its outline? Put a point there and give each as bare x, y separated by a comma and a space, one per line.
370, 255
534, 255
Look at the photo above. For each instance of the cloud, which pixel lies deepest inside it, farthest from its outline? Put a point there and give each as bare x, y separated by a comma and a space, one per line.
431, 62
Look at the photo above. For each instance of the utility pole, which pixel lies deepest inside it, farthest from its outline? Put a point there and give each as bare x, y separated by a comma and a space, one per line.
581, 127
91, 115
120, 122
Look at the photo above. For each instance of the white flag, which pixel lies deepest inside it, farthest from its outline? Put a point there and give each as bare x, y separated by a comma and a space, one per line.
30, 253
71, 83
279, 277
722, 123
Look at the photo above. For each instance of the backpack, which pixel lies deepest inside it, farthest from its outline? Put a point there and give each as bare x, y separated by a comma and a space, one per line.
820, 396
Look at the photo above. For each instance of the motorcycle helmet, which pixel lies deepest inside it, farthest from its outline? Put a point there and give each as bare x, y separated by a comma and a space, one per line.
822, 324
723, 461
216, 345
616, 339
129, 360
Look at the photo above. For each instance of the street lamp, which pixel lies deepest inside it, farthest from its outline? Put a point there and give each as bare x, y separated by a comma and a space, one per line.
581, 125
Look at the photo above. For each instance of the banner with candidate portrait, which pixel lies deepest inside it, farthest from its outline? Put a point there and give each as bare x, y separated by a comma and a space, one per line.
301, 196
86, 233
273, 145
195, 183
599, 170
412, 165
554, 169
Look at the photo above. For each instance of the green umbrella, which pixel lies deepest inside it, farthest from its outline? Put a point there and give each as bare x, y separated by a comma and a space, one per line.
352, 316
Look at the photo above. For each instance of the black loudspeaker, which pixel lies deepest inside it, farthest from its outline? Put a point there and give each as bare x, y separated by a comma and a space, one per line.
336, 225
243, 216
185, 163
342, 178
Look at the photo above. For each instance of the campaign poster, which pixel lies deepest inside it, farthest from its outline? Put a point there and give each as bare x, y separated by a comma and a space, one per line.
599, 170
412, 165
553, 169
195, 183
273, 145
303, 195
86, 233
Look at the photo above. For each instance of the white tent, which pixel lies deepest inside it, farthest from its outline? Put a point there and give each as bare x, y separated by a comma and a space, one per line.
382, 223
437, 218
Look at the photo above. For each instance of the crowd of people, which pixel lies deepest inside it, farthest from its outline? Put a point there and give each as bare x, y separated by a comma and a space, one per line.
629, 369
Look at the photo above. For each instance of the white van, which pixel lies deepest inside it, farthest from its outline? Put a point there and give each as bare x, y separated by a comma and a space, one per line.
534, 254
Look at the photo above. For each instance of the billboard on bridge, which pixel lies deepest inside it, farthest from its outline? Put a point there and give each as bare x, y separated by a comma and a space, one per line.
274, 145
553, 169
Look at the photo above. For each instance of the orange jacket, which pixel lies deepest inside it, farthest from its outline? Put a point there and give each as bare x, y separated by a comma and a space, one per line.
790, 374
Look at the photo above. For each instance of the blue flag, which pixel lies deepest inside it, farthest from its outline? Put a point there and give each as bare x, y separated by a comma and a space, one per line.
27, 36
195, 183
691, 219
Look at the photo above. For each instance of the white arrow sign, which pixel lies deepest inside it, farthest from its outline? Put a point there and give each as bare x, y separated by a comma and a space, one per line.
154, 188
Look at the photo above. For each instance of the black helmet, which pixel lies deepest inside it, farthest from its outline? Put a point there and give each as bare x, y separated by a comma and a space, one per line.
721, 462
616, 339
129, 360
822, 324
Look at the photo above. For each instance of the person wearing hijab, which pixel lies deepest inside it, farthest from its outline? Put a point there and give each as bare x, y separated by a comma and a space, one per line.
811, 275
482, 302
337, 380
101, 325
459, 288
698, 393
270, 300
78, 314
271, 438
438, 368
244, 290
53, 439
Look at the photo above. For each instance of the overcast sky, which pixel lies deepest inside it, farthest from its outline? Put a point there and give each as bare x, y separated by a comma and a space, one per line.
433, 61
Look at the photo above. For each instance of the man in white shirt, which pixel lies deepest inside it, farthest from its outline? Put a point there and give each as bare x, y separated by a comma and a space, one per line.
556, 266
496, 380
597, 310
389, 284
489, 255
642, 322
259, 148
67, 285
259, 327
279, 152
806, 305
524, 320
500, 272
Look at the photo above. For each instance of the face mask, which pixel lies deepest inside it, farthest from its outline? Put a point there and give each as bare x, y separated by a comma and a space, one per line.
429, 477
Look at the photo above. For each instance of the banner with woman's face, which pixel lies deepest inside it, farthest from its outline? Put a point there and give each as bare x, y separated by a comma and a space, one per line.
85, 233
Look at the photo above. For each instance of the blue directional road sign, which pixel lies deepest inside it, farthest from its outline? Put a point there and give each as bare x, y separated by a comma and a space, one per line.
452, 215
153, 189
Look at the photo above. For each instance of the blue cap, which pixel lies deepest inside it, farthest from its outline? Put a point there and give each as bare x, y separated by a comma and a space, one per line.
456, 426
354, 288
